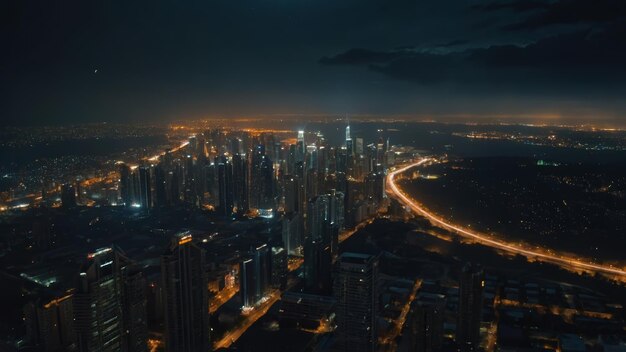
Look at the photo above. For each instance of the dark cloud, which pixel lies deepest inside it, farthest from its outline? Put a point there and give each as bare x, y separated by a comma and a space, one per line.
562, 12
556, 62
514, 5
359, 56
456, 42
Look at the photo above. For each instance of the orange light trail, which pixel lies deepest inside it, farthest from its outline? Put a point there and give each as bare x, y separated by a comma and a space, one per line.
565, 262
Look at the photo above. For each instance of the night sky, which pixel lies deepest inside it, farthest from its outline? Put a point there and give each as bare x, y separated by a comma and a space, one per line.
87, 61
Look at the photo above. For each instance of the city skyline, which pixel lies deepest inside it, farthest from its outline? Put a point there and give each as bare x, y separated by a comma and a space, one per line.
313, 175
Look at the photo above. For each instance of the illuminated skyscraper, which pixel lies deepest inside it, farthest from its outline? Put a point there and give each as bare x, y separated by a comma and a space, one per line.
110, 304
261, 180
226, 186
98, 303
145, 187
240, 183
255, 275
125, 185
185, 296
354, 286
300, 147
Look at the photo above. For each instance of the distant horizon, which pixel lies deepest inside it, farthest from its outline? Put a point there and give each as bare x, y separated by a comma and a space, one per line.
540, 120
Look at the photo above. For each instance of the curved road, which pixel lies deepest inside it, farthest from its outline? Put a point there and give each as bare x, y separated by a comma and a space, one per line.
565, 262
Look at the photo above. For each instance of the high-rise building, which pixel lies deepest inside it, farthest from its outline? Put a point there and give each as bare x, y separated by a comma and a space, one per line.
98, 303
160, 185
185, 296
355, 287
240, 183
125, 185
317, 266
134, 309
225, 186
425, 328
291, 191
471, 287
300, 147
68, 196
255, 275
292, 233
145, 187
279, 267
261, 180
50, 322
110, 304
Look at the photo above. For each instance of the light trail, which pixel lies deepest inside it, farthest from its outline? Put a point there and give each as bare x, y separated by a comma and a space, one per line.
233, 335
563, 261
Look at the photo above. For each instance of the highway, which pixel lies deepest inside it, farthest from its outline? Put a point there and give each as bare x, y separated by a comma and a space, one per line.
233, 335
561, 260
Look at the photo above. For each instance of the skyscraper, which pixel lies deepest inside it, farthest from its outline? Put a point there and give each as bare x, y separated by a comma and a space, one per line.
255, 275
355, 287
145, 187
426, 323
68, 196
125, 185
184, 282
240, 183
279, 267
134, 309
110, 304
50, 322
98, 303
225, 186
261, 180
470, 307
160, 185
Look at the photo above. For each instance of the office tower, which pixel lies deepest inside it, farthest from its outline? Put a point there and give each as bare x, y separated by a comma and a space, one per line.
292, 233
325, 218
322, 242
255, 275
279, 267
145, 187
189, 181
68, 196
471, 286
349, 165
291, 191
317, 266
225, 186
175, 184
125, 185
98, 303
247, 282
134, 309
425, 328
185, 296
261, 180
263, 267
50, 322
355, 287
160, 185
300, 147
240, 183
374, 186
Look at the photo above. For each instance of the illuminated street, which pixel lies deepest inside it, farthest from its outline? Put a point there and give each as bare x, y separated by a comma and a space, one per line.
231, 336
563, 261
